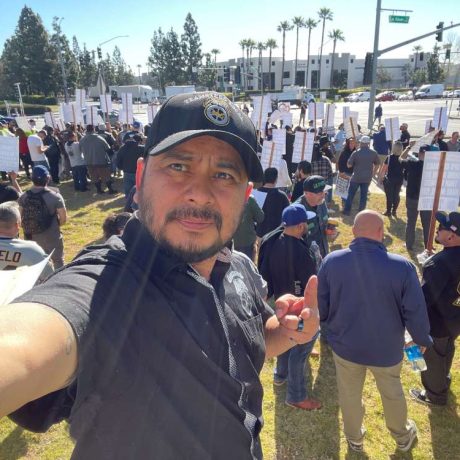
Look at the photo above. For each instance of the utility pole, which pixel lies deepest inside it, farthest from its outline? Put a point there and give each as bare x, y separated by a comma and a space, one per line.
61, 62
21, 105
370, 119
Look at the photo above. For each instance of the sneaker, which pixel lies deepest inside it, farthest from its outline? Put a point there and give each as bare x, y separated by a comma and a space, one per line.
306, 404
278, 381
356, 446
412, 437
421, 397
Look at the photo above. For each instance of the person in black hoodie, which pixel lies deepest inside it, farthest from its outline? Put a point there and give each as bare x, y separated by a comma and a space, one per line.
53, 153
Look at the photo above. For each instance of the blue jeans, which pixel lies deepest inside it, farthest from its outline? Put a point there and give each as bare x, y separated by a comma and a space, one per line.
291, 365
80, 181
362, 197
129, 181
330, 182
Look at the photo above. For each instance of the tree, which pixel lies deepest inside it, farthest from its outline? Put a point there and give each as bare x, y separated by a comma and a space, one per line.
325, 14
28, 57
250, 45
260, 70
191, 47
383, 76
310, 24
122, 74
407, 72
271, 45
419, 77
417, 50
208, 75
242, 43
88, 69
283, 27
335, 35
215, 52
434, 71
298, 22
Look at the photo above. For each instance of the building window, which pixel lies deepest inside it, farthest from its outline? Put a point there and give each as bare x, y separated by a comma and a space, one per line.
286, 74
312, 61
273, 63
351, 61
327, 61
252, 63
411, 59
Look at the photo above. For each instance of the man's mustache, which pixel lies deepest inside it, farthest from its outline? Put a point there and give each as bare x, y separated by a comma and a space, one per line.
196, 213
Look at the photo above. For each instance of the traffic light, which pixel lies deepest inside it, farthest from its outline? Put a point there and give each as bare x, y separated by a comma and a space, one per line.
447, 53
226, 74
439, 33
367, 77
238, 75
99, 53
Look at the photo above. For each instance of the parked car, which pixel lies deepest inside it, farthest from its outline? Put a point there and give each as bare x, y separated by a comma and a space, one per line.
446, 93
362, 96
454, 93
386, 96
409, 96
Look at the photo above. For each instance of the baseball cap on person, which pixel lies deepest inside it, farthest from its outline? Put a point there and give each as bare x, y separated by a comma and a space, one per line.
365, 140
323, 140
295, 214
186, 116
40, 172
136, 125
315, 184
449, 221
101, 127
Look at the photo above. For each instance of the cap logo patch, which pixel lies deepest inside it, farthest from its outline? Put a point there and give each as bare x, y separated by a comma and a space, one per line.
217, 114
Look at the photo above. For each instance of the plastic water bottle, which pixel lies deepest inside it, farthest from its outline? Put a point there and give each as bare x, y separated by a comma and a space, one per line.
316, 253
414, 355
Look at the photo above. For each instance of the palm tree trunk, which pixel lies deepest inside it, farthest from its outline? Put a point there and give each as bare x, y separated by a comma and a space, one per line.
331, 80
321, 55
270, 83
416, 57
282, 65
247, 69
308, 59
296, 53
243, 81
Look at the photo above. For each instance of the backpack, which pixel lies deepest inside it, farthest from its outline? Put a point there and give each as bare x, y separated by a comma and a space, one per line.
36, 217
266, 244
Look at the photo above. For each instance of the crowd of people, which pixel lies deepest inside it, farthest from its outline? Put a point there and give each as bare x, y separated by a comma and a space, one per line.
176, 297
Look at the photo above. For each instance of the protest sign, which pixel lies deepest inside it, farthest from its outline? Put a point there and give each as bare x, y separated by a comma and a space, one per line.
71, 113
262, 107
424, 140
9, 153
152, 111
342, 185
23, 123
92, 116
446, 168
328, 121
271, 157
354, 114
106, 103
440, 118
351, 127
49, 120
259, 197
428, 125
279, 138
316, 111
392, 129
323, 95
126, 113
80, 98
345, 112
303, 146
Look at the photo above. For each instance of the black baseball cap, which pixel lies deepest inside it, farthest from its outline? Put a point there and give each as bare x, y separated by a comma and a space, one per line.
449, 221
186, 116
315, 184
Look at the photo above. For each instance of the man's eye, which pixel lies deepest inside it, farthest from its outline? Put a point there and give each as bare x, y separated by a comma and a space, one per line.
177, 167
224, 175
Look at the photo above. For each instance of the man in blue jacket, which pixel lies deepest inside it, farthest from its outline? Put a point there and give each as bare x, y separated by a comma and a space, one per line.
366, 322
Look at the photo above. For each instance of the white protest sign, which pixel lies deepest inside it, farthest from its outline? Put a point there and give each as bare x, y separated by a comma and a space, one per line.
9, 153
328, 120
450, 188
354, 115
275, 116
392, 129
271, 157
126, 114
279, 138
424, 140
106, 103
23, 123
151, 112
49, 120
428, 126
92, 116
351, 127
71, 113
341, 186
440, 118
60, 124
323, 95
80, 98
262, 107
345, 112
316, 110
14, 283
286, 117
259, 197
303, 146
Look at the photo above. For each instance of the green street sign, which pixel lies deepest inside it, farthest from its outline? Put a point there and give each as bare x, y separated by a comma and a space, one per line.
399, 19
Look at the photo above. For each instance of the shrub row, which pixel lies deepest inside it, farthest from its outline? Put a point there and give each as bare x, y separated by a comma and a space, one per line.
29, 109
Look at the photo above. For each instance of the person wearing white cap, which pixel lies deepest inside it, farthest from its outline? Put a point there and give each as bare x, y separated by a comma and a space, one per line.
365, 163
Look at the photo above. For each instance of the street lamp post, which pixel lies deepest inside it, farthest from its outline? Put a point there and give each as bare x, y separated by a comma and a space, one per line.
61, 62
139, 73
21, 105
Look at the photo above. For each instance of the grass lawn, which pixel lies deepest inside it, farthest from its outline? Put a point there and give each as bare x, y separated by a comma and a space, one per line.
288, 433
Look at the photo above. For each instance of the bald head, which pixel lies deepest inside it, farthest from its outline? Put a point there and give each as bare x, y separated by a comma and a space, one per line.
368, 224
10, 219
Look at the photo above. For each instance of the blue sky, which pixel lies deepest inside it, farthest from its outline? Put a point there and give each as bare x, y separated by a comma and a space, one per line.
222, 24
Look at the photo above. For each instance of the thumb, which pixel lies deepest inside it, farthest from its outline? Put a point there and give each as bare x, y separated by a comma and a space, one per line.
311, 293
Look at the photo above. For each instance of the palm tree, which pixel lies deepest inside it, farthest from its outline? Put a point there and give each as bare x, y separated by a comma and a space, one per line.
335, 35
260, 70
417, 49
283, 27
325, 14
250, 44
298, 22
215, 51
271, 45
242, 43
309, 24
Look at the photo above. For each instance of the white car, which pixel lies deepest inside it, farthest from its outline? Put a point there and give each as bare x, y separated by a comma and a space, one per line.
362, 96
409, 96
445, 94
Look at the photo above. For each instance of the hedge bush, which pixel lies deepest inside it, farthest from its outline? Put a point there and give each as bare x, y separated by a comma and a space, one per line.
40, 99
29, 109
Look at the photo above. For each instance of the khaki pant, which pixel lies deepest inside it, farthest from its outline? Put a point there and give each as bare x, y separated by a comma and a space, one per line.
99, 173
350, 382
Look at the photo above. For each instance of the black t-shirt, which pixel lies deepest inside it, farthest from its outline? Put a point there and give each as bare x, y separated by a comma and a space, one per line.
413, 169
8, 193
128, 155
395, 171
168, 363
441, 286
342, 163
291, 265
275, 202
405, 138
297, 191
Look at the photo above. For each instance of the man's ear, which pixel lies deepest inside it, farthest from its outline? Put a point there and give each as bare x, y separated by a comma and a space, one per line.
249, 191
139, 172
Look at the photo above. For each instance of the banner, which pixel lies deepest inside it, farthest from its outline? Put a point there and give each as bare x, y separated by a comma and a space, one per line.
450, 186
392, 132
303, 146
9, 153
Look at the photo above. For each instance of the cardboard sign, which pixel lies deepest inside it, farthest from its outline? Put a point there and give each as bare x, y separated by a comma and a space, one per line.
279, 138
106, 103
303, 146
49, 120
351, 127
23, 123
341, 186
392, 129
151, 112
329, 117
71, 113
428, 125
316, 110
440, 118
271, 156
425, 139
9, 153
345, 112
450, 185
80, 98
126, 115
262, 107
